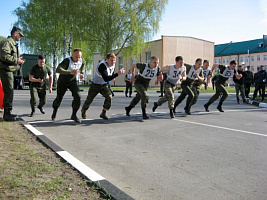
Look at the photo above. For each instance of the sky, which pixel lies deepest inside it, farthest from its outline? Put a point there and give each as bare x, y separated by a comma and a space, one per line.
218, 21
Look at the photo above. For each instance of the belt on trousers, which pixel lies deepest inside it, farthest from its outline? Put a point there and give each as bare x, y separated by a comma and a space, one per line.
170, 83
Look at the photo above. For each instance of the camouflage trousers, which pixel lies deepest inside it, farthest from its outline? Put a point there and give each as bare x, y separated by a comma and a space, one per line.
93, 91
220, 89
168, 96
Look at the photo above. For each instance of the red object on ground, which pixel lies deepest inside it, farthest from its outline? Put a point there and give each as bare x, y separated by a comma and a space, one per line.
1, 96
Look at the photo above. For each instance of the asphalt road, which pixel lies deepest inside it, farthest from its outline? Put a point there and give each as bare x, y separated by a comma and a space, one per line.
207, 155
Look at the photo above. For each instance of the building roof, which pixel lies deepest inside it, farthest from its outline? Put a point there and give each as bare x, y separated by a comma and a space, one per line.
236, 48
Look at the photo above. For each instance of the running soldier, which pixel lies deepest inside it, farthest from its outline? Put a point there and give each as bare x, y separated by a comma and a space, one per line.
147, 72
194, 72
225, 73
68, 70
37, 79
197, 83
175, 73
104, 73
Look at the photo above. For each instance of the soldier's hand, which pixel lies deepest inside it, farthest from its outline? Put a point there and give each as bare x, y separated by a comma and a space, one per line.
132, 79
40, 80
121, 71
50, 90
74, 72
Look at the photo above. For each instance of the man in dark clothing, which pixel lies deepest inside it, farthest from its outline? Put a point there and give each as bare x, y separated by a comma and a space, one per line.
37, 79
260, 82
225, 73
68, 70
194, 72
9, 63
104, 72
248, 81
129, 85
239, 85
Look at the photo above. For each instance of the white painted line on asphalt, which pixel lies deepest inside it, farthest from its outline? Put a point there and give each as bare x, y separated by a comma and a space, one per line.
33, 130
220, 127
85, 170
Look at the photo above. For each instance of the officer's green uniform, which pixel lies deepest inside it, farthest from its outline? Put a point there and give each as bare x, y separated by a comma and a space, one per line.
37, 88
141, 85
187, 87
9, 56
68, 81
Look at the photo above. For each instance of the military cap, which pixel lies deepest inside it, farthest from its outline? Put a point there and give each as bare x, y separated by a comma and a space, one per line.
18, 30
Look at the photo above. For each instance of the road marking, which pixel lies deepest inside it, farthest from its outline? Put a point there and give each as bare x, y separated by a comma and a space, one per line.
85, 170
33, 130
220, 127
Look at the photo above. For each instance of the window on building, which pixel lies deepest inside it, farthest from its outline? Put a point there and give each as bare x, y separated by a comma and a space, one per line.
120, 63
227, 60
265, 57
258, 58
148, 56
134, 60
252, 58
232, 58
241, 59
215, 61
252, 68
219, 61
223, 60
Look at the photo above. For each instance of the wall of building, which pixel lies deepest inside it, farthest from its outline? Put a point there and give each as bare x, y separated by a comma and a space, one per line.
254, 60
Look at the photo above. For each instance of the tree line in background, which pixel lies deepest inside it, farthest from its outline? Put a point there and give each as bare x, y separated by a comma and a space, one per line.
54, 27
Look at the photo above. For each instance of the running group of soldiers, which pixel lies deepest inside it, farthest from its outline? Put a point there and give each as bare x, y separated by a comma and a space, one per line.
191, 78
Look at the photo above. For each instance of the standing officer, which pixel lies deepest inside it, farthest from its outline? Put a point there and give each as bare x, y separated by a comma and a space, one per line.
9, 63
104, 72
260, 82
37, 79
239, 85
225, 73
129, 85
68, 70
174, 74
194, 72
147, 72
248, 81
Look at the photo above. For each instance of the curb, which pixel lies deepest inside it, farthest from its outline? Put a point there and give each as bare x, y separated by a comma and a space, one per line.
256, 103
99, 181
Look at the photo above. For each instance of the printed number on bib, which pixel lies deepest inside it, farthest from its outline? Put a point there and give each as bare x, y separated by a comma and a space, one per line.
150, 73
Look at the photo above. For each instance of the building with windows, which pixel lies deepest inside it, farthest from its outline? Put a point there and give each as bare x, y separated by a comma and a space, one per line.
166, 48
251, 53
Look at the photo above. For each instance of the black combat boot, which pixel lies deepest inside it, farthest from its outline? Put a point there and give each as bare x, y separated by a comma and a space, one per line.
32, 113
171, 113
128, 109
155, 106
206, 106
219, 107
8, 116
174, 108
187, 110
145, 116
53, 117
83, 114
103, 115
74, 116
41, 109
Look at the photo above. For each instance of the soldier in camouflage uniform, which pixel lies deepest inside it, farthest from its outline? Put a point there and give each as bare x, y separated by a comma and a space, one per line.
225, 73
37, 79
174, 74
103, 74
197, 83
147, 72
9, 63
194, 72
68, 70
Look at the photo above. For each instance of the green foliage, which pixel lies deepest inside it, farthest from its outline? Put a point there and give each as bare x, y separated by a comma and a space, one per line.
93, 25
2, 38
